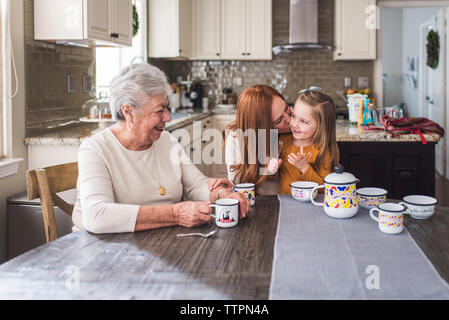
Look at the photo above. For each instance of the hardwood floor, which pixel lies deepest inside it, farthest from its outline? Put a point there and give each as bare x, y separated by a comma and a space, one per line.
442, 191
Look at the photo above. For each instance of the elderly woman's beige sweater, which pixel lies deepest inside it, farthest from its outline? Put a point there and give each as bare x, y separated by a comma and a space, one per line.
113, 181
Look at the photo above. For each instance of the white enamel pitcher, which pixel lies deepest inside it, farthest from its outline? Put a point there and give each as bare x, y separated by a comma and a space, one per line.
340, 198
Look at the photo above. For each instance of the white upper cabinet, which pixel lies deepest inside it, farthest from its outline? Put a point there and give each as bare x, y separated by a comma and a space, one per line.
232, 29
259, 41
169, 28
355, 29
88, 22
206, 29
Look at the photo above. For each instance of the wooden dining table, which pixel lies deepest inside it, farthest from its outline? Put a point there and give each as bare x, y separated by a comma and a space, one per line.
235, 263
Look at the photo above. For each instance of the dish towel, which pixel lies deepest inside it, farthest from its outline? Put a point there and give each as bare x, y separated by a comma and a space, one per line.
319, 257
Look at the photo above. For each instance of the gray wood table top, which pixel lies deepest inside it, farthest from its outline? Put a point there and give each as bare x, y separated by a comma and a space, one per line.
233, 264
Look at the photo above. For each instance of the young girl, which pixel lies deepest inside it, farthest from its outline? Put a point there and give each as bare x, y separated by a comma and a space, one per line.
311, 151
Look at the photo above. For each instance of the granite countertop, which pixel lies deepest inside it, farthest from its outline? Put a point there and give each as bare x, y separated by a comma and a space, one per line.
350, 133
75, 135
345, 132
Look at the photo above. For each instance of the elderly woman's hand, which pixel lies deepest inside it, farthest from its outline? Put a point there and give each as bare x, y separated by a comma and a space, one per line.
191, 214
212, 183
244, 203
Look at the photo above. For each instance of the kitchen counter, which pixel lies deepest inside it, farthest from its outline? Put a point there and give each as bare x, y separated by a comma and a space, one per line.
349, 132
75, 135
345, 132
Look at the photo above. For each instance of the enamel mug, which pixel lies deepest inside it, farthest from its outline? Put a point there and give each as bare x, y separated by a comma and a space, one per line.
340, 198
391, 217
248, 190
226, 212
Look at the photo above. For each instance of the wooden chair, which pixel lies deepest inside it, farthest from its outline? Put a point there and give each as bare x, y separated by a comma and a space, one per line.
45, 183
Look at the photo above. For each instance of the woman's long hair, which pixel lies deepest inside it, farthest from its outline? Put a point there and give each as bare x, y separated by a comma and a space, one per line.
253, 112
325, 137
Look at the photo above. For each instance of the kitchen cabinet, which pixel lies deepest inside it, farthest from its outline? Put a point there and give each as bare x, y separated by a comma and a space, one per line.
169, 28
191, 138
40, 156
246, 29
220, 121
206, 29
232, 29
84, 22
355, 29
400, 168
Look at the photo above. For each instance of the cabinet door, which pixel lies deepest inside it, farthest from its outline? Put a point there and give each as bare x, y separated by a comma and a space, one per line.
259, 29
206, 29
355, 38
185, 23
121, 21
98, 19
233, 29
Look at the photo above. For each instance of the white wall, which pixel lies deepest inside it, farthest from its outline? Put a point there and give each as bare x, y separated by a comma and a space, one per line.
400, 39
412, 18
391, 29
15, 183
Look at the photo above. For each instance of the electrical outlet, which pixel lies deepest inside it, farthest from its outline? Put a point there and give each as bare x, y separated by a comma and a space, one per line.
87, 83
363, 82
238, 82
70, 83
347, 82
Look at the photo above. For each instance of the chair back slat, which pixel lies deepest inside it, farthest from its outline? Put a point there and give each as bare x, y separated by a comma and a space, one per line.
44, 184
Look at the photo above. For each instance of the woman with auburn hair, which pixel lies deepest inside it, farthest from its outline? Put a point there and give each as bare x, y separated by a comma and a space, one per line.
260, 108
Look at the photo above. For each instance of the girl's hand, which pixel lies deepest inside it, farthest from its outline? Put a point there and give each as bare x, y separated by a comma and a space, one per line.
299, 160
273, 166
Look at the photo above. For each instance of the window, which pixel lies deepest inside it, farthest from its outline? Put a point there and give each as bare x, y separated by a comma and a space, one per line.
109, 61
2, 117
8, 165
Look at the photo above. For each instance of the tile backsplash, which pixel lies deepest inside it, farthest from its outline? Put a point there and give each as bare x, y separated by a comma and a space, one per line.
287, 72
48, 105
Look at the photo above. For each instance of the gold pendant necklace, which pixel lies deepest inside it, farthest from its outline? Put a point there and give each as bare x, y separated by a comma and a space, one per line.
161, 189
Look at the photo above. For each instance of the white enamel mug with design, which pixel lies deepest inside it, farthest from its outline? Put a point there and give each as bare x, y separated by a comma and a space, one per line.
248, 190
391, 217
226, 212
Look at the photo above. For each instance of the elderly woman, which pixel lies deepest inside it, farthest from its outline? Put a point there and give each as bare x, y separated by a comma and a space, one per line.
134, 175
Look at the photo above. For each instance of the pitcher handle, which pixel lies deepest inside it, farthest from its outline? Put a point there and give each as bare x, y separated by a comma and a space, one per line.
311, 198
371, 213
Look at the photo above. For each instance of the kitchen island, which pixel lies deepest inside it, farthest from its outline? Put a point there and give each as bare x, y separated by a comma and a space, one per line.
403, 165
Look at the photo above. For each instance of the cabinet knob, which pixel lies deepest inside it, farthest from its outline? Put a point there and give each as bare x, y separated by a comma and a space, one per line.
339, 54
243, 53
218, 54
114, 35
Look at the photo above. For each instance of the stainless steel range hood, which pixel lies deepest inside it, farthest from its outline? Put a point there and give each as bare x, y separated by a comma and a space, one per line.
303, 28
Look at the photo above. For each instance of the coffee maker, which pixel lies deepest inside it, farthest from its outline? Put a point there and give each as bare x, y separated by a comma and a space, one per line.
196, 96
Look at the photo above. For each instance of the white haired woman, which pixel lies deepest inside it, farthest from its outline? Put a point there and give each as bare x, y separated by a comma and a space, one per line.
129, 177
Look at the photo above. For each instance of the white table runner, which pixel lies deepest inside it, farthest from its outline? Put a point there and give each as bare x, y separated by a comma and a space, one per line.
319, 257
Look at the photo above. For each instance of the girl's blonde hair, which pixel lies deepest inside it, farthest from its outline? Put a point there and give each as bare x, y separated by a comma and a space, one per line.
325, 137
